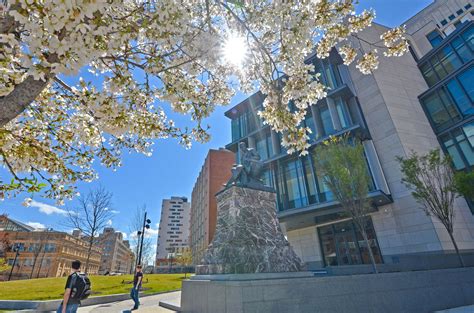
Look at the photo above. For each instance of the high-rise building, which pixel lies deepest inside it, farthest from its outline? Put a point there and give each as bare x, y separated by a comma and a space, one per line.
173, 233
117, 257
442, 40
43, 252
214, 173
384, 111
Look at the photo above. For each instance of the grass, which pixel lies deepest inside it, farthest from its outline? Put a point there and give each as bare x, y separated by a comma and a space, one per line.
53, 288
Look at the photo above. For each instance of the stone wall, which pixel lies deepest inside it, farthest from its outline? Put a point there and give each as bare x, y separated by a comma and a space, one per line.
420, 292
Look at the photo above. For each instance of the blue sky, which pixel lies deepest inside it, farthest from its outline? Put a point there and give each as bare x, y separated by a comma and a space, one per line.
172, 170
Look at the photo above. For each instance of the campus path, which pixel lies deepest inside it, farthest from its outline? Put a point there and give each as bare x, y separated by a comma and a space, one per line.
148, 304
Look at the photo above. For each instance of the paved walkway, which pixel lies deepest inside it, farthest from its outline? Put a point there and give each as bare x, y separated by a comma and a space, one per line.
148, 304
463, 309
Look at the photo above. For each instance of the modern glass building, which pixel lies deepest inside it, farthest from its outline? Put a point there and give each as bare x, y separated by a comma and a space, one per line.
384, 111
449, 102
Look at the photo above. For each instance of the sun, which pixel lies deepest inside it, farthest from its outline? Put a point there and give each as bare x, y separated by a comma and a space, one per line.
235, 50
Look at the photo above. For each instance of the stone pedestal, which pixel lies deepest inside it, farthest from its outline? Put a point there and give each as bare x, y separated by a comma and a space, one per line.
248, 237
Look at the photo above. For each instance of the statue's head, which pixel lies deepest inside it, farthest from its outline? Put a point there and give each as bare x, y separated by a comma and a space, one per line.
242, 145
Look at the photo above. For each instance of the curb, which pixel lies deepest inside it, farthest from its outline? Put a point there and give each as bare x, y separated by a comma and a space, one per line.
52, 305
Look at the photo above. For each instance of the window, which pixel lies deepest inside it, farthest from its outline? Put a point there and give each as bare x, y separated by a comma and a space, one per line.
294, 180
468, 36
428, 74
467, 81
459, 12
449, 59
440, 109
326, 120
444, 22
459, 143
49, 247
468, 6
331, 75
463, 51
434, 38
264, 147
343, 113
460, 98
451, 17
309, 122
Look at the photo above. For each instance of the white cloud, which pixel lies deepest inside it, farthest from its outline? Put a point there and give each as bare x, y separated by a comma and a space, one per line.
36, 225
47, 209
109, 223
124, 235
114, 211
149, 233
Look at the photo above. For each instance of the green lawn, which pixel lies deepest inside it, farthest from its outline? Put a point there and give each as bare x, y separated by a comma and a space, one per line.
53, 288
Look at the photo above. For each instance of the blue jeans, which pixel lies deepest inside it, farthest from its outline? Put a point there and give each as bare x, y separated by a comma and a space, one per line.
70, 308
134, 295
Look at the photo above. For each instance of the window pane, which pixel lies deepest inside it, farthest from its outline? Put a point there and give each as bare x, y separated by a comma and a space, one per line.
326, 120
453, 152
449, 59
342, 112
436, 111
469, 131
438, 68
448, 104
467, 81
261, 147
434, 38
429, 74
459, 96
463, 51
468, 35
294, 184
310, 181
309, 122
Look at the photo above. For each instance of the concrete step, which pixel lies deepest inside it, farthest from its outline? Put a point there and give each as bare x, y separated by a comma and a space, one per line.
171, 305
462, 309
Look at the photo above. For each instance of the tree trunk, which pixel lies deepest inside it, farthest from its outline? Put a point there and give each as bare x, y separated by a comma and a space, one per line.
369, 248
88, 255
40, 265
33, 266
456, 248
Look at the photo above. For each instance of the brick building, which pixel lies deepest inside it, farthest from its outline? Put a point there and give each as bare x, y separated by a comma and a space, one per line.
42, 252
215, 172
117, 257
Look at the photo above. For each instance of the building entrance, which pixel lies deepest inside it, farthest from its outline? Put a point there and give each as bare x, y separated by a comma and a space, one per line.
343, 244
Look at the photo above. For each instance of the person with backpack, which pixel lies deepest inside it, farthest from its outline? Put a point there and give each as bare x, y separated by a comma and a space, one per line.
137, 284
78, 287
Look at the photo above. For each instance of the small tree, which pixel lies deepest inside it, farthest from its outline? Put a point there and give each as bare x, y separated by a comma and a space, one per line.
431, 179
464, 184
4, 265
185, 259
91, 216
342, 164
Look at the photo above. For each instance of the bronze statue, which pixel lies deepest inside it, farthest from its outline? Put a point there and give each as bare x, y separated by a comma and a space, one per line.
248, 173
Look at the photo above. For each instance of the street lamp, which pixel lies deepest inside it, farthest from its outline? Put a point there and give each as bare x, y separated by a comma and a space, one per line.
146, 225
17, 250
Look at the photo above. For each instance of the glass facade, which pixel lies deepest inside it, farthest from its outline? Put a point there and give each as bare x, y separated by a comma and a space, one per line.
452, 101
298, 182
343, 244
245, 124
459, 143
452, 56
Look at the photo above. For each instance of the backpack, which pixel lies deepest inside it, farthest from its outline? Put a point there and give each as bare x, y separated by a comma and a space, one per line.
81, 287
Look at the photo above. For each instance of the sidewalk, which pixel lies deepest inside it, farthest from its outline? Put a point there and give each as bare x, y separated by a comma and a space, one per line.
148, 304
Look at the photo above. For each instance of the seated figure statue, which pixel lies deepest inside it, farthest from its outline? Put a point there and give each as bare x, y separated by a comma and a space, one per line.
248, 173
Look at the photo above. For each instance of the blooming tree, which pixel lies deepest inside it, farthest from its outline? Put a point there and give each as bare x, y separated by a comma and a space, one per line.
84, 79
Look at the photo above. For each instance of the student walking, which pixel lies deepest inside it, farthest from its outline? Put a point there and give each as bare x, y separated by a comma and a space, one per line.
137, 284
78, 287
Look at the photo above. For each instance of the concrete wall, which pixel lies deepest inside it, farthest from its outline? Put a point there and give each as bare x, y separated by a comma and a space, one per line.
430, 18
423, 291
